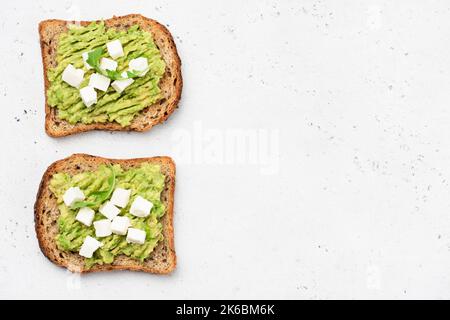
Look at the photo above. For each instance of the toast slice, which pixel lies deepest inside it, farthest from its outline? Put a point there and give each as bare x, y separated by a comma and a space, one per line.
171, 83
163, 258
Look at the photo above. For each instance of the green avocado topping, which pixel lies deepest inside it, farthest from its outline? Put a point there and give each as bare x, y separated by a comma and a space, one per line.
146, 181
111, 106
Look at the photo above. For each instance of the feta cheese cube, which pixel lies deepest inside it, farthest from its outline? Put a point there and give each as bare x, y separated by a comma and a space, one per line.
108, 64
140, 65
136, 236
120, 197
141, 207
73, 76
89, 246
109, 210
120, 225
102, 228
120, 85
88, 95
85, 56
99, 81
72, 195
115, 49
85, 216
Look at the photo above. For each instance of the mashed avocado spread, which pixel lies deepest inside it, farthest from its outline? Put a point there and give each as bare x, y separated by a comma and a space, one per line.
146, 181
111, 106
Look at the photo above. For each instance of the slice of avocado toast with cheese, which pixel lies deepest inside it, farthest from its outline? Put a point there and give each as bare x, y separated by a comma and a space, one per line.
96, 214
122, 73
145, 181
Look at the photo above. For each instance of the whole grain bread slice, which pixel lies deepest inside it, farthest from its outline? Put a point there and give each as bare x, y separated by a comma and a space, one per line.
171, 83
163, 258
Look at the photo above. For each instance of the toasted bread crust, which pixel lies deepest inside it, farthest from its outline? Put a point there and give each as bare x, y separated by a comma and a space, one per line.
171, 83
163, 258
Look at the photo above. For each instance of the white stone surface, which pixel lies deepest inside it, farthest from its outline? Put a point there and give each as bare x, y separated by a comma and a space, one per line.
354, 204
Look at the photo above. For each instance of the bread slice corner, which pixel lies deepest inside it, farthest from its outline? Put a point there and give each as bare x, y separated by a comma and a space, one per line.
163, 258
171, 83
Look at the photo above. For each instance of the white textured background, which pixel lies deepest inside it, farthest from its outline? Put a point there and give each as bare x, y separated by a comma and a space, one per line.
356, 204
